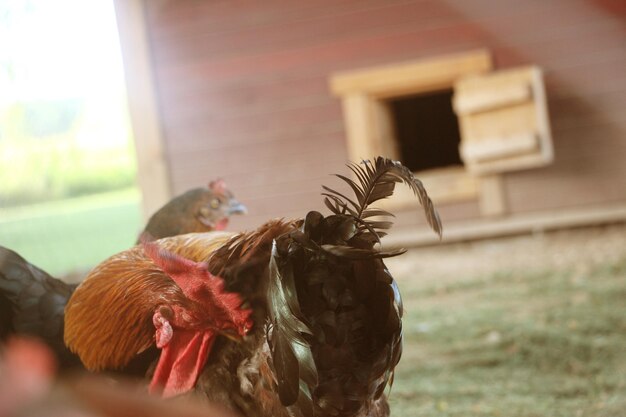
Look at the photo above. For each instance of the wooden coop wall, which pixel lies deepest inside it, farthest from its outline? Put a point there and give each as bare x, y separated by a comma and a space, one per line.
243, 91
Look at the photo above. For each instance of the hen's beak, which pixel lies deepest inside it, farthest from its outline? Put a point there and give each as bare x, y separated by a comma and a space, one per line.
235, 207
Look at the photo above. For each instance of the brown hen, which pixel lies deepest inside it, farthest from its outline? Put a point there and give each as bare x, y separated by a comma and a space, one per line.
197, 210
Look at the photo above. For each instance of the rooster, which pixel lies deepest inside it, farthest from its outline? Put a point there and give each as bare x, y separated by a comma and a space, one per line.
32, 302
296, 318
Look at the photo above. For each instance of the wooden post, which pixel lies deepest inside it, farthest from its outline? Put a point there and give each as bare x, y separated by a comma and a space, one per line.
492, 196
152, 171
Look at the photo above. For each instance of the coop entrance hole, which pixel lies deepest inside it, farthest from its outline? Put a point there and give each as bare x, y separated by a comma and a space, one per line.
426, 130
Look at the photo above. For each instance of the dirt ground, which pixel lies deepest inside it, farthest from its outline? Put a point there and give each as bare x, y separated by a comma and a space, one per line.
576, 249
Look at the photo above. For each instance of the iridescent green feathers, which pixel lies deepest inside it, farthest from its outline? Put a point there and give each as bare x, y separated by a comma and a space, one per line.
335, 330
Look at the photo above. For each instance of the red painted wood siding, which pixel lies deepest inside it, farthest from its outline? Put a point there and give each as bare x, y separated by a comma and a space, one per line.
243, 90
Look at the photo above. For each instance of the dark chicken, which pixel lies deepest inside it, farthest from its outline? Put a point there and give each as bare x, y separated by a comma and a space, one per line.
326, 312
32, 302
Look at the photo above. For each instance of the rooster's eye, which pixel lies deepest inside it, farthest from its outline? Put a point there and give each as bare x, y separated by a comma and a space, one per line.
215, 203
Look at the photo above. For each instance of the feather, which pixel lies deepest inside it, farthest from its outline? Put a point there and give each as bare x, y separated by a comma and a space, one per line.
291, 353
371, 212
377, 180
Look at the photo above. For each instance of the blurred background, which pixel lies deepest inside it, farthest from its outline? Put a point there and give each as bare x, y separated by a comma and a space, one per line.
68, 195
511, 112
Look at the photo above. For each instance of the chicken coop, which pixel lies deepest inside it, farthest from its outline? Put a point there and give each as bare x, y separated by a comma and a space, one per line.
511, 113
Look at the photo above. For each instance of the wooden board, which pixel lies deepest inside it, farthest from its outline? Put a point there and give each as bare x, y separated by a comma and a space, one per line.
242, 91
152, 170
503, 117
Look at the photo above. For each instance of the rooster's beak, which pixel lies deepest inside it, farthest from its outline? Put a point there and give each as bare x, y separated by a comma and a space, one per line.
235, 207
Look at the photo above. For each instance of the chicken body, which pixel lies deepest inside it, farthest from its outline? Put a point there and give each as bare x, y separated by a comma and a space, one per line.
348, 304
327, 331
32, 303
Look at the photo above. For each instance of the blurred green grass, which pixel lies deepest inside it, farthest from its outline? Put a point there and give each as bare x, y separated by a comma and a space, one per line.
516, 344
73, 234
67, 172
37, 171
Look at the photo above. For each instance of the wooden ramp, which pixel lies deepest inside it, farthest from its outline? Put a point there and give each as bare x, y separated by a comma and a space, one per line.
507, 226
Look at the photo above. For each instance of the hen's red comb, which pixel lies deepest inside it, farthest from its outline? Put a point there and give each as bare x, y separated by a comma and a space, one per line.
218, 186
